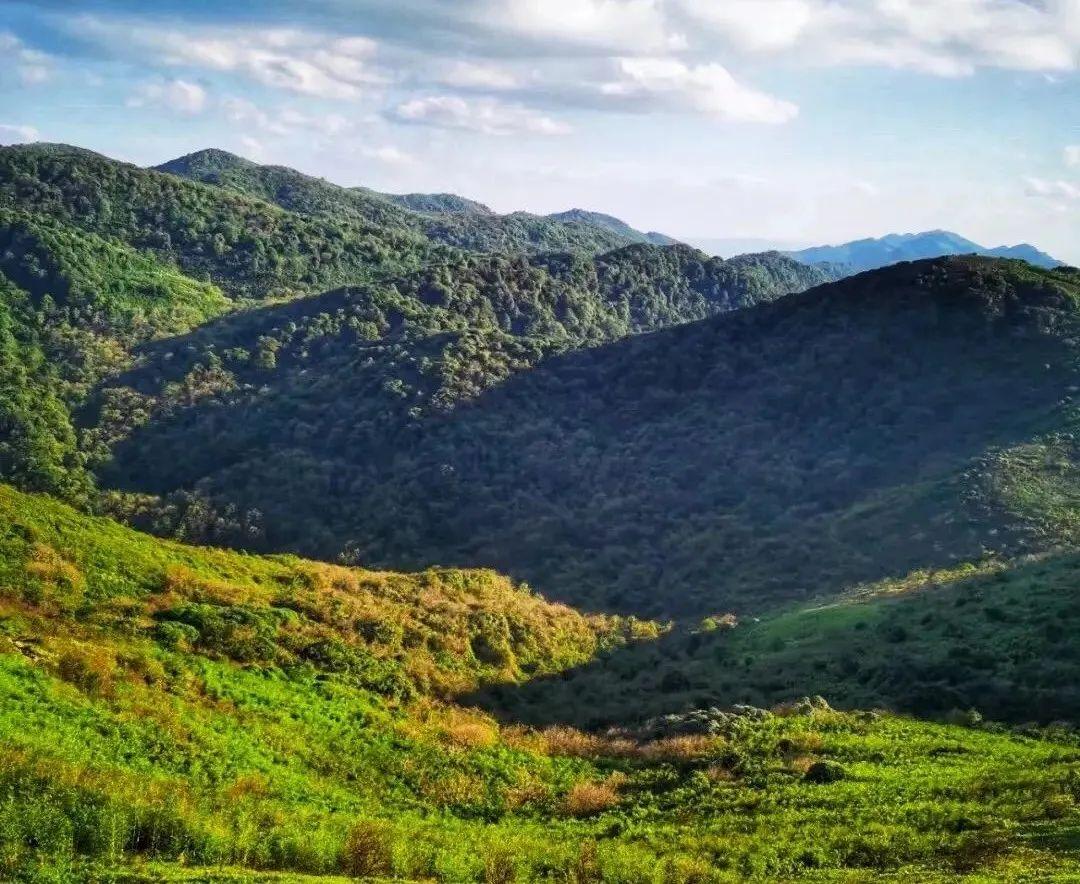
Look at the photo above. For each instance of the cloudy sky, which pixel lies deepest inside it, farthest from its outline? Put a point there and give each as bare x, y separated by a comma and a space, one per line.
798, 121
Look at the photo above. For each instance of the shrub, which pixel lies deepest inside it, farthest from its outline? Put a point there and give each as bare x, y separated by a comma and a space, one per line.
822, 772
367, 852
964, 717
499, 867
176, 636
585, 868
589, 799
90, 668
560, 740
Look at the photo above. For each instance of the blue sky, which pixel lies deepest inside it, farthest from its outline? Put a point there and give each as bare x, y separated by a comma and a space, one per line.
798, 121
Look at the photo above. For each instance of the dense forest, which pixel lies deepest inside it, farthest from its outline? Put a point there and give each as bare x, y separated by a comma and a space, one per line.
104, 259
729, 464
443, 218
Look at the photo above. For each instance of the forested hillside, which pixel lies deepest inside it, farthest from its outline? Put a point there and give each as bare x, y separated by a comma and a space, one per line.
100, 258
247, 246
854, 432
443, 218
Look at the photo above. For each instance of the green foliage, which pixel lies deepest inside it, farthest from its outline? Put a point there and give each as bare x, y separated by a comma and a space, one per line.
994, 639
441, 218
226, 748
752, 459
267, 361
249, 248
38, 447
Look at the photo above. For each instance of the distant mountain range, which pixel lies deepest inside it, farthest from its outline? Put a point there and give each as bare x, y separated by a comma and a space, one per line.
870, 254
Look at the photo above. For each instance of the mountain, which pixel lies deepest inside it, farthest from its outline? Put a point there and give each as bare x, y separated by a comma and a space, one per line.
175, 714
864, 489
869, 254
101, 258
621, 228
874, 421
251, 248
441, 218
732, 246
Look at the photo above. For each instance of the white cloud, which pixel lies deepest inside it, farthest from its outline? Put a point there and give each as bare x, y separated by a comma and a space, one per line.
307, 62
479, 115
622, 26
469, 75
33, 67
1072, 155
707, 88
754, 24
253, 149
176, 95
15, 134
943, 37
390, 155
1055, 189
282, 121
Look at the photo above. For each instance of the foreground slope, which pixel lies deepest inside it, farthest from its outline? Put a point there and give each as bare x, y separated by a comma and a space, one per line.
854, 432
175, 713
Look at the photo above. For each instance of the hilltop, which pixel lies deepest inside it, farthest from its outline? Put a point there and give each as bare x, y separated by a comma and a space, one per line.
443, 218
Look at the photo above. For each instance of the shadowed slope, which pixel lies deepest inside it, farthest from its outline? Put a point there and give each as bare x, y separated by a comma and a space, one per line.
730, 464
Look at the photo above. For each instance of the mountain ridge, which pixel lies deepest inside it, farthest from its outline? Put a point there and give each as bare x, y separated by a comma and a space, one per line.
872, 253
446, 218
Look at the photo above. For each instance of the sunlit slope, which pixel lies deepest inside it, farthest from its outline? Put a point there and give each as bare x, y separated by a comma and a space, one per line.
170, 713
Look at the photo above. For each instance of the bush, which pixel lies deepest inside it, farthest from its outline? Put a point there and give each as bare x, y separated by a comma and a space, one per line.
589, 799
823, 772
367, 852
90, 668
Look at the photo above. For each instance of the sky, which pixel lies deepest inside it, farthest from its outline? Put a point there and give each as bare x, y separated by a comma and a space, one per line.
786, 121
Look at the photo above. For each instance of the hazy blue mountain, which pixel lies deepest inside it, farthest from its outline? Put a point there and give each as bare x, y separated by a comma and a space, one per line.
869, 254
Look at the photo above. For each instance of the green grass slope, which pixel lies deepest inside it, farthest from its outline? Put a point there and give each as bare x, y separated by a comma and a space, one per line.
171, 713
